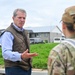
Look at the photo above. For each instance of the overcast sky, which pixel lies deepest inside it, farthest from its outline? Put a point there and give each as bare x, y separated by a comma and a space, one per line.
39, 12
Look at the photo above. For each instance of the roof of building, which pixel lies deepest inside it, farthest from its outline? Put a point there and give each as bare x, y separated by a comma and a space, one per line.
43, 28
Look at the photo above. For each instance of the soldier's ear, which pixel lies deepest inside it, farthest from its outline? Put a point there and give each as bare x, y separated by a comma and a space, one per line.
63, 26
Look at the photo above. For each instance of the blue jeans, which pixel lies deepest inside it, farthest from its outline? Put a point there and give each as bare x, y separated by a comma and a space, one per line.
17, 71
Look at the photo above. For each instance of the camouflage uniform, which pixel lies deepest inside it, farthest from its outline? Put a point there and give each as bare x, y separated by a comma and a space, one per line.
61, 60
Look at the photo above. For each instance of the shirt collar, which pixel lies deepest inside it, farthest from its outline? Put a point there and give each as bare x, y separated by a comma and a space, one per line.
20, 29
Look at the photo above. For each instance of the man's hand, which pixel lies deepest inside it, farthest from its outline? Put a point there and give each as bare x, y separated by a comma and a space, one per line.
25, 54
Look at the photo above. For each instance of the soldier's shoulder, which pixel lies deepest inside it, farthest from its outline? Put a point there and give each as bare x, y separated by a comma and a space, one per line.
60, 46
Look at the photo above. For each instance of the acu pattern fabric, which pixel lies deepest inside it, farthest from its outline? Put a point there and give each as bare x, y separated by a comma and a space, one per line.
62, 60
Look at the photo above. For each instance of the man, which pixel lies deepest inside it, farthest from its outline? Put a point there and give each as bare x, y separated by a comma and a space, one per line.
15, 46
61, 60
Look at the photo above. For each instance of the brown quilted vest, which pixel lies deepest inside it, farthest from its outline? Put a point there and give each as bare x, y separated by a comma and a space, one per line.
20, 44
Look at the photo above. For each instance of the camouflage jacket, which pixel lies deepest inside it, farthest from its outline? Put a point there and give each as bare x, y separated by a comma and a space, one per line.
61, 60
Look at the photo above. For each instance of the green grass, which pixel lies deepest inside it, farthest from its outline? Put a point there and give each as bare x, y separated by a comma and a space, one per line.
1, 59
43, 51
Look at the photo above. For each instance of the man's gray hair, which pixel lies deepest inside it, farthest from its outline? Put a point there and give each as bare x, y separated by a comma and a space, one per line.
16, 10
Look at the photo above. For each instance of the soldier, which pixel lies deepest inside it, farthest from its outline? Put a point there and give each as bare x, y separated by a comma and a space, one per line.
61, 60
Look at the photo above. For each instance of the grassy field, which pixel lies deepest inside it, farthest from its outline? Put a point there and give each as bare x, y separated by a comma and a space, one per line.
40, 61
1, 59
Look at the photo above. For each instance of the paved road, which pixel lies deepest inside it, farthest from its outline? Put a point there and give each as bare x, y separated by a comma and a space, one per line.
39, 73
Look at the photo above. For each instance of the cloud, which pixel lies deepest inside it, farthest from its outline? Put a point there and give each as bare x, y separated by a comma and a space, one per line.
39, 12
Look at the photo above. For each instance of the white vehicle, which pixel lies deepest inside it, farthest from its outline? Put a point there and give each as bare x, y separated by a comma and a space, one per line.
35, 40
58, 39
